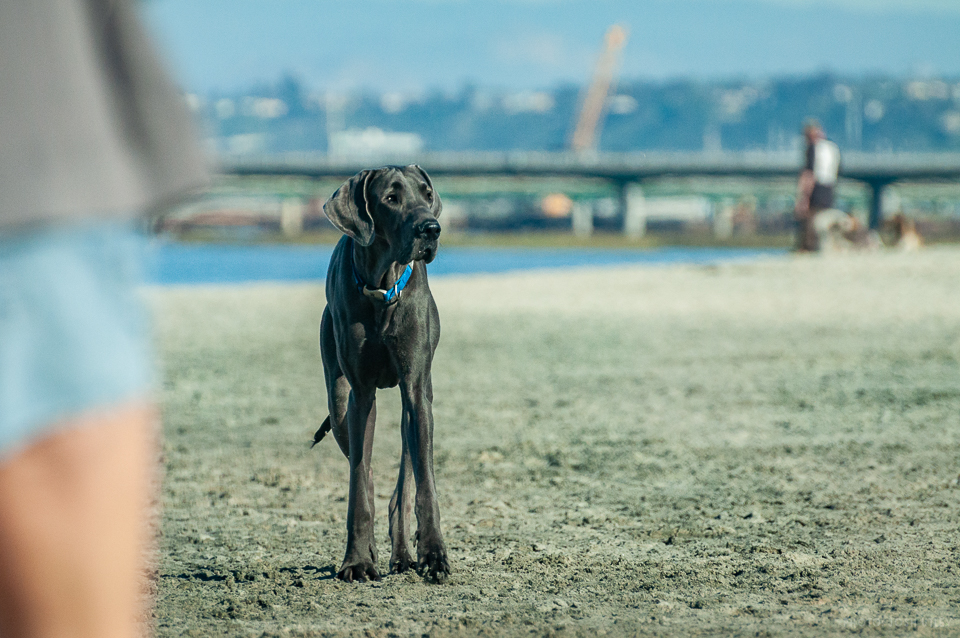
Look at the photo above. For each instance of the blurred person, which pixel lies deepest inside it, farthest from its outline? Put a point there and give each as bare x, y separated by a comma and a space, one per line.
92, 132
816, 184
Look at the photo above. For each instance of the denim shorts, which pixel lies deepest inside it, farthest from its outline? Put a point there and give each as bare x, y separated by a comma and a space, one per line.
74, 334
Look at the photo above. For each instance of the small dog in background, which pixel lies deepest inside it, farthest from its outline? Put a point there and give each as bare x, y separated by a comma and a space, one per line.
905, 235
838, 231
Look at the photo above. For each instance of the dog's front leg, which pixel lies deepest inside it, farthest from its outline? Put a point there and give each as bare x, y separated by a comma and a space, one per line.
360, 561
432, 559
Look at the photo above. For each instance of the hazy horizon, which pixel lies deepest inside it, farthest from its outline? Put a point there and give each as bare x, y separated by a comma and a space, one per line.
424, 45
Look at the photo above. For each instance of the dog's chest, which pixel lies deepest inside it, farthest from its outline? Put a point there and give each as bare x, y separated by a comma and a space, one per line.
388, 378
375, 361
394, 345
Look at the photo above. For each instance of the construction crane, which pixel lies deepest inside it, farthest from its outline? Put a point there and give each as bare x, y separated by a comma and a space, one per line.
587, 132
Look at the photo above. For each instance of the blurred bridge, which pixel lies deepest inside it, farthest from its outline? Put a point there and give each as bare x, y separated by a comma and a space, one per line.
628, 171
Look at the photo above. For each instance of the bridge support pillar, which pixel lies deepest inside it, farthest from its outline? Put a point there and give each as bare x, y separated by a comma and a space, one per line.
634, 207
582, 219
876, 202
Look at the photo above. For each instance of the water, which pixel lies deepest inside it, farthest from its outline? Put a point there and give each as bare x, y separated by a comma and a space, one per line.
171, 263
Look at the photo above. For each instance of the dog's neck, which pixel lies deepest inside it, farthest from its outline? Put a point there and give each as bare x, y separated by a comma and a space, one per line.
374, 265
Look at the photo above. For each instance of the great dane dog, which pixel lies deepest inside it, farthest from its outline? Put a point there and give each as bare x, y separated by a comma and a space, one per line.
380, 329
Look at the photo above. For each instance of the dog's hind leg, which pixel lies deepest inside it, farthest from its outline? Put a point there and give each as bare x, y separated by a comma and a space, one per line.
338, 388
400, 505
417, 433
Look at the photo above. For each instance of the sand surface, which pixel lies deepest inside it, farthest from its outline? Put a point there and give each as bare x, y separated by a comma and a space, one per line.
759, 449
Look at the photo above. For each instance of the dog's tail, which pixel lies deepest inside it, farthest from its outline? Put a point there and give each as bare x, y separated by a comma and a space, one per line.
321, 432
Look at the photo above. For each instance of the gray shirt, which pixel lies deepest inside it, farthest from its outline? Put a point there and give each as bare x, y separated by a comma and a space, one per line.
89, 123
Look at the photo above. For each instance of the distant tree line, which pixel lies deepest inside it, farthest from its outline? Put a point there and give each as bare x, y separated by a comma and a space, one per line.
878, 114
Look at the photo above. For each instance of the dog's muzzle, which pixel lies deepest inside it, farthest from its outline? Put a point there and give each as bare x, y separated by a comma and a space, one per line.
428, 230
427, 234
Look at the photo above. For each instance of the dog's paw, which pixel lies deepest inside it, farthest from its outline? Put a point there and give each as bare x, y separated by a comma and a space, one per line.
433, 565
401, 562
358, 573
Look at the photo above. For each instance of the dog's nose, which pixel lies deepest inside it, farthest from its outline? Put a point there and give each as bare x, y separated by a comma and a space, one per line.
429, 230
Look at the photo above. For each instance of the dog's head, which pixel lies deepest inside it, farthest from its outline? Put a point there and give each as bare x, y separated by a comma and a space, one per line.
395, 205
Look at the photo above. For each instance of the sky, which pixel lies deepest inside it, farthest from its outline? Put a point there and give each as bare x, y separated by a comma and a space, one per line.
415, 46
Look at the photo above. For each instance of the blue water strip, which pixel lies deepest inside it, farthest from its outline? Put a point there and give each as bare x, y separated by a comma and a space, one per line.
170, 263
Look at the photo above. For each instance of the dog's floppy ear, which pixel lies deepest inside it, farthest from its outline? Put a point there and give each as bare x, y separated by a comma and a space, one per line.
437, 204
349, 209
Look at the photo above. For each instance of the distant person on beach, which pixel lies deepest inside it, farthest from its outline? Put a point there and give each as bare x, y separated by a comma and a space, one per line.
816, 184
92, 135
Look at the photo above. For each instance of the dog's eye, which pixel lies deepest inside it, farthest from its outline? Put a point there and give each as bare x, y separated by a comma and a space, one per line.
391, 198
429, 196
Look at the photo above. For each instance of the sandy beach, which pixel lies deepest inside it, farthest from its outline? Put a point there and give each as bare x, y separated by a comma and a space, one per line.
750, 449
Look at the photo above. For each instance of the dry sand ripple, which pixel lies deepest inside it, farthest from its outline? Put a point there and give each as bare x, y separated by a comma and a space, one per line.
757, 449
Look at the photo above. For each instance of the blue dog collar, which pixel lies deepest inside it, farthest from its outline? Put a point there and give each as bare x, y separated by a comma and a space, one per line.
388, 296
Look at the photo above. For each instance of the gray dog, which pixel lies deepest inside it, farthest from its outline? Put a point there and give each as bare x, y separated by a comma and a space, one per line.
380, 328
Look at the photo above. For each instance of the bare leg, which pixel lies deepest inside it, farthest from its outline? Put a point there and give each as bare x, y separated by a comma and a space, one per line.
73, 528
